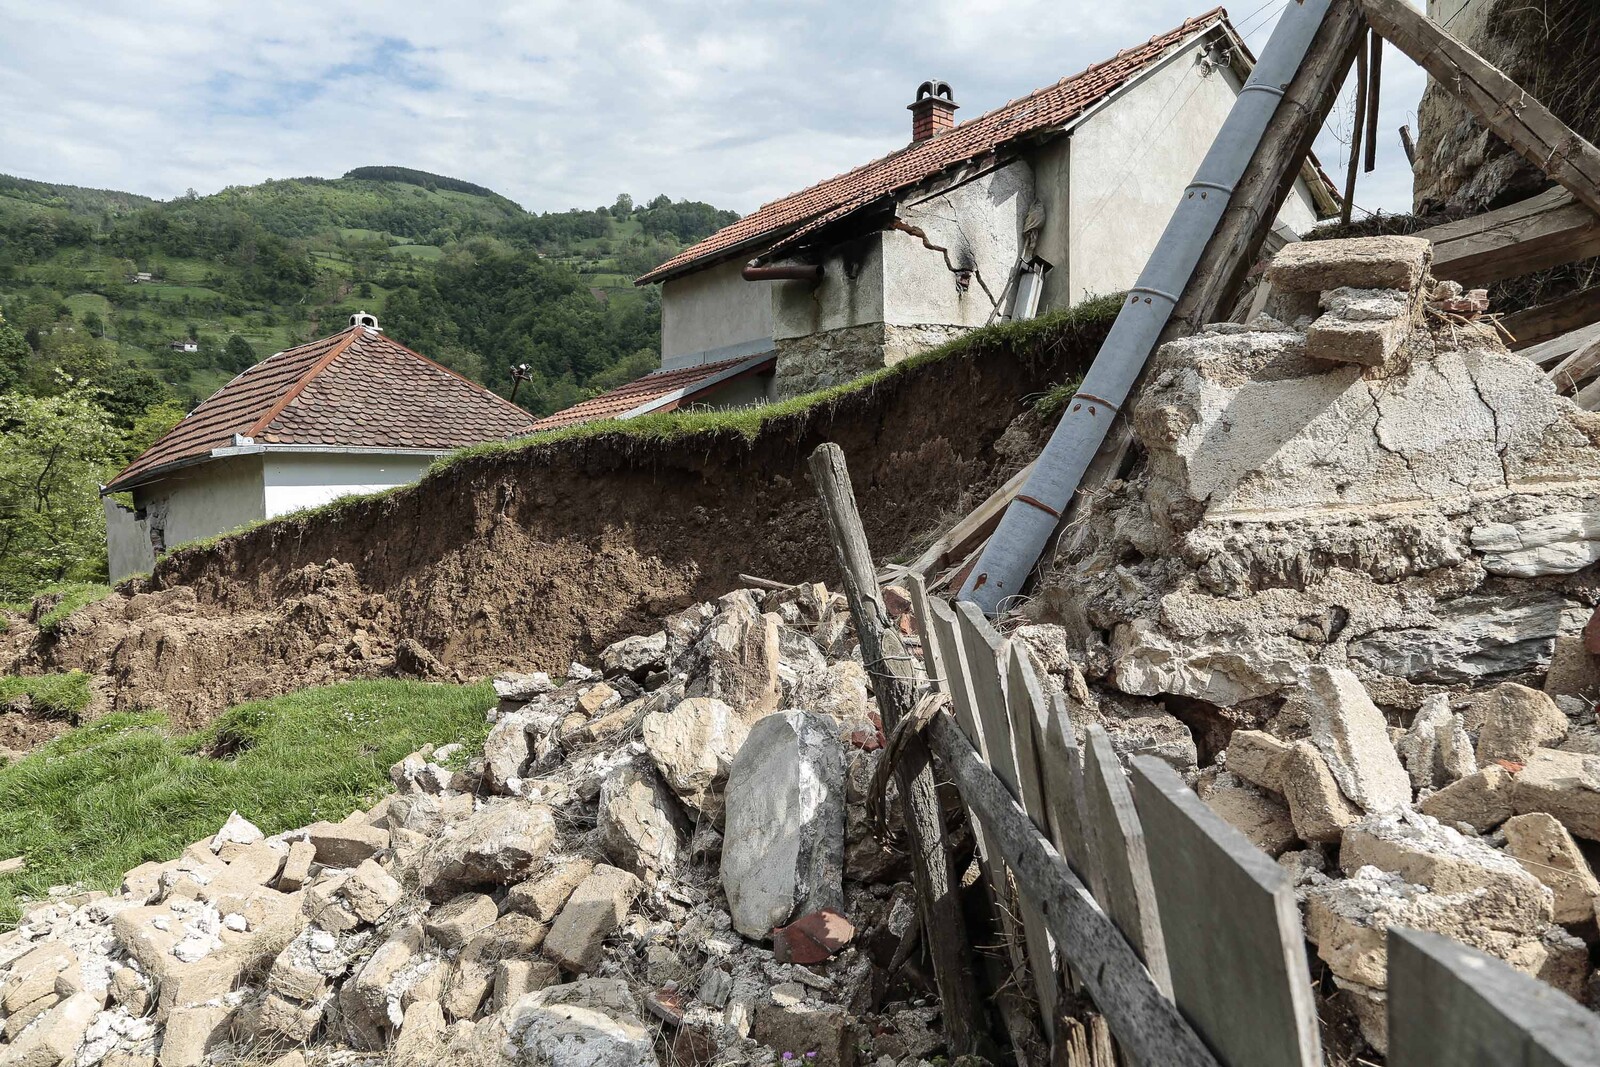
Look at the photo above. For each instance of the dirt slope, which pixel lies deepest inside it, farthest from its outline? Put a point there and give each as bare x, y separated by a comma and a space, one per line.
528, 558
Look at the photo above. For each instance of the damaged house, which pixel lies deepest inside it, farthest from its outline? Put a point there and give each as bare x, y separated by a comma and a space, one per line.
1056, 196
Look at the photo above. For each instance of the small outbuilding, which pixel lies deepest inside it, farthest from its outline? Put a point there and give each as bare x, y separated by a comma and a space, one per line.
352, 413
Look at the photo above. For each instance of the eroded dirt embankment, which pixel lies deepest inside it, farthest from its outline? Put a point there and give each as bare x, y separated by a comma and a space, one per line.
528, 558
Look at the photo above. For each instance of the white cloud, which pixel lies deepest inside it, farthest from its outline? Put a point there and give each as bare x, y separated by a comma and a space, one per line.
553, 104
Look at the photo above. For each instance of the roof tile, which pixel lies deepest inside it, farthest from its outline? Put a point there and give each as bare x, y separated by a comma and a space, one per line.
356, 389
624, 398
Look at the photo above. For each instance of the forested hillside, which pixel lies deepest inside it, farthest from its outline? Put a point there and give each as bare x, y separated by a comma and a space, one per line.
99, 290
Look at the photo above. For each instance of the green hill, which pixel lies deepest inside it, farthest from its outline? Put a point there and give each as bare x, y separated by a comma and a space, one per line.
100, 283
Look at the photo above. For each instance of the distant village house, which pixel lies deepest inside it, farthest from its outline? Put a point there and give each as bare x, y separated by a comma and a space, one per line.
184, 346
352, 413
1051, 198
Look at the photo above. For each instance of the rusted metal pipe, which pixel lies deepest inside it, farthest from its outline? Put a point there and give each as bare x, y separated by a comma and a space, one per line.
794, 272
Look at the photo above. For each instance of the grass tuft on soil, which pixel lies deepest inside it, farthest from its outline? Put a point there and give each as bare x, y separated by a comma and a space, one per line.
122, 790
60, 695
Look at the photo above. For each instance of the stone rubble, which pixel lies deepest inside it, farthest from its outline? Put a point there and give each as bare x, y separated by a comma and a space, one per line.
645, 864
1357, 567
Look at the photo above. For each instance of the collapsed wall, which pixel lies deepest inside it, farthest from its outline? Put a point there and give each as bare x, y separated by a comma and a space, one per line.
552, 551
1356, 562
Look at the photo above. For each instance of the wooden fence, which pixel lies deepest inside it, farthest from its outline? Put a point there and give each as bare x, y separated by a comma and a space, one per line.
1184, 934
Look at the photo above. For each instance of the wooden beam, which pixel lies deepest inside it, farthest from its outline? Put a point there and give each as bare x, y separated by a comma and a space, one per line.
1541, 232
1149, 1026
1357, 126
1554, 352
1374, 98
958, 542
1409, 145
1535, 325
893, 684
1498, 102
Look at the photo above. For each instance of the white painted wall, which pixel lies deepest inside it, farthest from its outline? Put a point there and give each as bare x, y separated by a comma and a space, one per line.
295, 480
980, 224
849, 294
714, 314
1129, 165
128, 548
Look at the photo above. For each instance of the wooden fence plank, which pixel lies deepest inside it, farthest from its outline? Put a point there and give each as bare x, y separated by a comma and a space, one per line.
1028, 709
1541, 232
1122, 870
1053, 738
1234, 942
1148, 1025
1079, 826
1450, 1005
986, 655
1503, 106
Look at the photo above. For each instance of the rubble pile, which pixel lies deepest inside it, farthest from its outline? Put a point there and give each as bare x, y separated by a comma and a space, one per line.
662, 860
1355, 571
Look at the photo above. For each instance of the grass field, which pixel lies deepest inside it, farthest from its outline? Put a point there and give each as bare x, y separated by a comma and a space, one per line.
123, 790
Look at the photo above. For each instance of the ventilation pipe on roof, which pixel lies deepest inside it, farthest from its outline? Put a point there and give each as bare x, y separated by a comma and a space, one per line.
1026, 526
793, 272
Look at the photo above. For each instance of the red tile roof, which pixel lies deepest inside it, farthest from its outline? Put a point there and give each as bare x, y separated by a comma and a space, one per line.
624, 398
828, 201
356, 389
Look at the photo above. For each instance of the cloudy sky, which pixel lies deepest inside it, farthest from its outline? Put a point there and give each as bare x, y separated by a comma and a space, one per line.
556, 105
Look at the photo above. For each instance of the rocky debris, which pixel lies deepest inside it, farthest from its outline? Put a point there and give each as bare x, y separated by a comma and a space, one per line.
1364, 326
1317, 808
1563, 784
1481, 800
1264, 819
1514, 722
1350, 732
1365, 263
783, 853
1436, 748
1545, 849
466, 916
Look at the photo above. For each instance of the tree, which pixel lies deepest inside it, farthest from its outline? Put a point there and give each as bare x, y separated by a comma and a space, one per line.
623, 207
55, 451
240, 354
93, 323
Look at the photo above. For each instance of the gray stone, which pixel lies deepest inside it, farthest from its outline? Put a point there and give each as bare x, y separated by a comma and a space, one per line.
591, 913
1516, 721
496, 845
1436, 749
736, 661
1350, 732
640, 827
693, 746
453, 925
1562, 543
505, 752
635, 655
592, 1023
346, 844
1565, 784
783, 848
1543, 846
1363, 326
520, 688
1475, 638
1482, 800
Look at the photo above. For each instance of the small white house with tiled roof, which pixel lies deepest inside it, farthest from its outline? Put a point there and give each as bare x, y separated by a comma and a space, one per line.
352, 413
1037, 204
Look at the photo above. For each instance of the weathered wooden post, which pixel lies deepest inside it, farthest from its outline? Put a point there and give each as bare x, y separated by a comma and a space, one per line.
894, 684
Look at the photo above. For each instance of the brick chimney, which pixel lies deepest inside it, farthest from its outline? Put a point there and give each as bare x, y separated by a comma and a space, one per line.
933, 114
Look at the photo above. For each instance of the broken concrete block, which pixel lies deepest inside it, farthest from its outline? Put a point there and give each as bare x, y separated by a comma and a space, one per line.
1516, 721
53, 1036
1482, 800
462, 919
1565, 784
1350, 732
693, 746
1264, 819
542, 896
1356, 262
595, 909
822, 1035
1543, 846
513, 979
1436, 749
421, 1039
191, 1032
506, 752
590, 1023
498, 844
593, 699
1425, 852
1316, 806
370, 892
1368, 327
296, 866
346, 844
640, 827
635, 656
290, 1019
516, 687
1257, 757
237, 830
1574, 671
783, 846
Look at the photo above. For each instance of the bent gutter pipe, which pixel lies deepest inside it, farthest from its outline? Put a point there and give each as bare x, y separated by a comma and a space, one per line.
1031, 518
794, 272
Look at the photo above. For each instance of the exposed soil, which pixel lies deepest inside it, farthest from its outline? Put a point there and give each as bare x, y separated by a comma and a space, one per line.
533, 557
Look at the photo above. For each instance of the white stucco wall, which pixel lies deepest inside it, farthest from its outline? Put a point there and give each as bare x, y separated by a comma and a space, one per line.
128, 548
1129, 165
295, 480
980, 224
849, 294
714, 314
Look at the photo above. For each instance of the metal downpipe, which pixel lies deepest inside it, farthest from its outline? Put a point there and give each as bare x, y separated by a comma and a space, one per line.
1031, 518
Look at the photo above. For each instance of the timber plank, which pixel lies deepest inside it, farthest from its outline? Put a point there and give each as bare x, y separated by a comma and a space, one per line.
1546, 321
1122, 882
1151, 1029
1234, 942
1535, 234
1553, 352
1451, 1005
